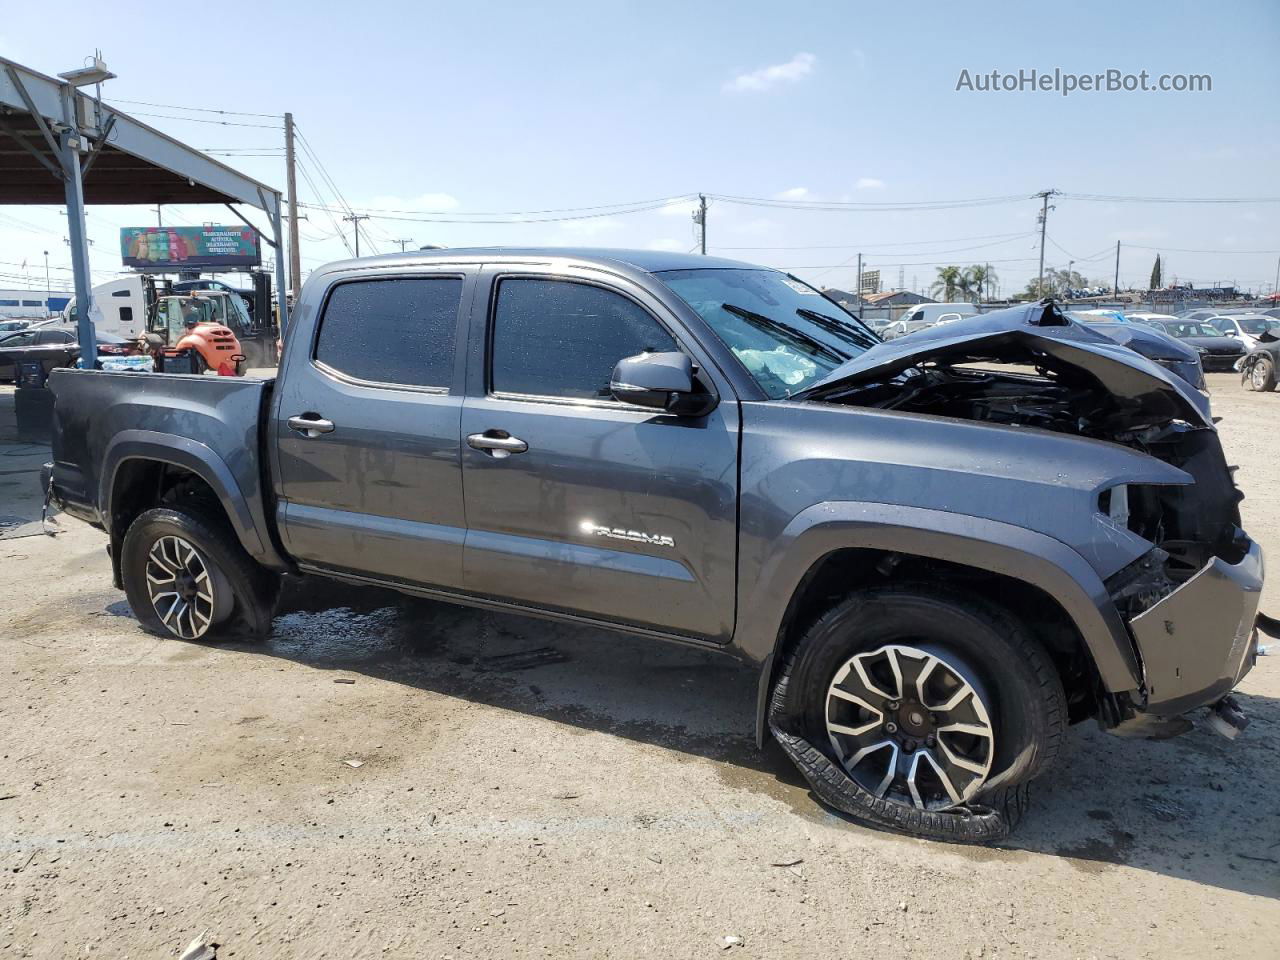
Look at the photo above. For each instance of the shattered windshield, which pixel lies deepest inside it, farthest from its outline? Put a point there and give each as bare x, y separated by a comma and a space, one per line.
786, 334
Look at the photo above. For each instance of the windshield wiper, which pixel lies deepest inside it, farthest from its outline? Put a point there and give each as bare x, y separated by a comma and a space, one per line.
841, 330
795, 333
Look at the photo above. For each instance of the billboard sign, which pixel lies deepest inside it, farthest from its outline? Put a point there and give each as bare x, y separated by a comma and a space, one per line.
188, 248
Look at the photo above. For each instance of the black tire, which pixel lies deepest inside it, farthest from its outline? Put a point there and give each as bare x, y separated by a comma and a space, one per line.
1262, 374
243, 593
1021, 690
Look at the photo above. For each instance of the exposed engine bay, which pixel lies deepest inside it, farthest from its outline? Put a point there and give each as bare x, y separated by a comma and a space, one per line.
1045, 372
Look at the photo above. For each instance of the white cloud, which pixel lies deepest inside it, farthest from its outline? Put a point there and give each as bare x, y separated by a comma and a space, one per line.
667, 244
758, 227
593, 227
422, 203
797, 68
678, 208
795, 193
869, 183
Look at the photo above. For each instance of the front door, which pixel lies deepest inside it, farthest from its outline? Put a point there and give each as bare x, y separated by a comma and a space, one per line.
366, 431
577, 502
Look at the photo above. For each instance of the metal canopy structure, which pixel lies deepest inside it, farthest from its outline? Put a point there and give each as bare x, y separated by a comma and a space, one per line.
61, 146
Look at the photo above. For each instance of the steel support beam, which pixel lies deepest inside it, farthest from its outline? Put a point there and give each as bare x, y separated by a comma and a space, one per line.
70, 153
282, 285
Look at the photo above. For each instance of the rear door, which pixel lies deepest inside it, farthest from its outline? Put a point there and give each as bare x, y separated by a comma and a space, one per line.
366, 423
595, 507
53, 348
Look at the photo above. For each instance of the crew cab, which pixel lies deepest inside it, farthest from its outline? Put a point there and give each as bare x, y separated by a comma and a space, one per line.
937, 552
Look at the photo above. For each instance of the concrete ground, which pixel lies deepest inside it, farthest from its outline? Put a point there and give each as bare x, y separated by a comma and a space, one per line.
371, 782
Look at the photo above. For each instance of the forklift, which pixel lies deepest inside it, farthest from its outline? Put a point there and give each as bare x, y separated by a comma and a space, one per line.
184, 336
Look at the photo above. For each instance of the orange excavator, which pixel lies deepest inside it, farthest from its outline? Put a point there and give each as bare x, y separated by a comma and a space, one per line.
183, 337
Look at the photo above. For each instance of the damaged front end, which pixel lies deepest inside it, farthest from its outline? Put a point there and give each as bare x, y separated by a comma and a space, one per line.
1191, 601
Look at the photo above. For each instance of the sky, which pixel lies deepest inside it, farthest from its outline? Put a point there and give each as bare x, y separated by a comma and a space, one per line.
844, 118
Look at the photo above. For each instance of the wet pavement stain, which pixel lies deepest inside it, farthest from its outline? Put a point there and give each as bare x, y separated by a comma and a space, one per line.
1094, 855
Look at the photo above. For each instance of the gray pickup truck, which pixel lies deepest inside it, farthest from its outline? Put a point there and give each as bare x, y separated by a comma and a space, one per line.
938, 552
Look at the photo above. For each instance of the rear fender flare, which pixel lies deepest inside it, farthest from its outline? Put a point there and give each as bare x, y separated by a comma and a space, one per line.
1001, 548
245, 516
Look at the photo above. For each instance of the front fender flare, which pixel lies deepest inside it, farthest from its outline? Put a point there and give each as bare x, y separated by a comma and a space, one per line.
1000, 548
244, 512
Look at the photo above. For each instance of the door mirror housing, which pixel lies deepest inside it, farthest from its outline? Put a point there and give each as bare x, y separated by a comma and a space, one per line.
662, 381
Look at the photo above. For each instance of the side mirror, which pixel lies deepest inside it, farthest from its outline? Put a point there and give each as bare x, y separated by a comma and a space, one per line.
663, 381
948, 317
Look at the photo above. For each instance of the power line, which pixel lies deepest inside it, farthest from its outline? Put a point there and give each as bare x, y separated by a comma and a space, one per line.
904, 243
221, 123
455, 219
1101, 198
842, 205
174, 106
333, 220
659, 201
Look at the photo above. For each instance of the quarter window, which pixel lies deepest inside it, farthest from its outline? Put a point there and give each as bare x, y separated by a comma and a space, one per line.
396, 331
555, 338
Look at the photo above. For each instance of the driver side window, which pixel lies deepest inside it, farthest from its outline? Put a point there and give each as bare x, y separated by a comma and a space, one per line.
558, 338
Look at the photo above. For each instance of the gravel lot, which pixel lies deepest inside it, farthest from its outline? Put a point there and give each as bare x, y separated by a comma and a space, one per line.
609, 805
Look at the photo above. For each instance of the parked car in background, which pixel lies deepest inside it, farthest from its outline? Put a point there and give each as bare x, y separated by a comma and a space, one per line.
1200, 313
1173, 355
932, 567
1217, 350
1148, 318
1258, 369
926, 315
52, 346
1245, 326
11, 326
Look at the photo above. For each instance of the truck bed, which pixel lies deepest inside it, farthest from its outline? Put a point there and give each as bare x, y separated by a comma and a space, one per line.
102, 419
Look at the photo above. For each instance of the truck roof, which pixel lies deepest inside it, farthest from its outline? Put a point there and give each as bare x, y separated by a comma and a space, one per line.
648, 261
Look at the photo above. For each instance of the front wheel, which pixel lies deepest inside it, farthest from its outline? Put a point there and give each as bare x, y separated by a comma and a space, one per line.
921, 709
1262, 374
187, 576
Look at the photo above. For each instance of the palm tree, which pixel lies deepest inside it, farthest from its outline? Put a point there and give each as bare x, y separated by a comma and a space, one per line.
947, 283
981, 279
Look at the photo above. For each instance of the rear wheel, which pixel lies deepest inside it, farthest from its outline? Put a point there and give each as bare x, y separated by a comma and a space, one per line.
186, 576
921, 709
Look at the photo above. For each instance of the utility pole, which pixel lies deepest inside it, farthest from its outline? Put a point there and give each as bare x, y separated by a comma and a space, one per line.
403, 243
1044, 196
1115, 289
47, 288
291, 185
986, 282
355, 219
700, 218
858, 290
159, 220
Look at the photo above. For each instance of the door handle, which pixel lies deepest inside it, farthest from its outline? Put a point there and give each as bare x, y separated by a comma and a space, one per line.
310, 427
497, 446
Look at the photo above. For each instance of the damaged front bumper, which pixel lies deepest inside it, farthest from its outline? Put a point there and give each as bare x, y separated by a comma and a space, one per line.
1200, 640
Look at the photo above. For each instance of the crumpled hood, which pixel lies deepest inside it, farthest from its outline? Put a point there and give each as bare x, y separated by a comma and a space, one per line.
1038, 334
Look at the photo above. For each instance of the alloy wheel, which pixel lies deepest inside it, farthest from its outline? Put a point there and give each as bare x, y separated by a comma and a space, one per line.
911, 724
181, 587
1258, 375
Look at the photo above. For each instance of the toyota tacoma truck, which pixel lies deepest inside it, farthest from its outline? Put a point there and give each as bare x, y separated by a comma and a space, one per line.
938, 552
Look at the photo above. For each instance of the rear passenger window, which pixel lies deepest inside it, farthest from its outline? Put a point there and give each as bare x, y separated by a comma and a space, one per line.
396, 331
554, 338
